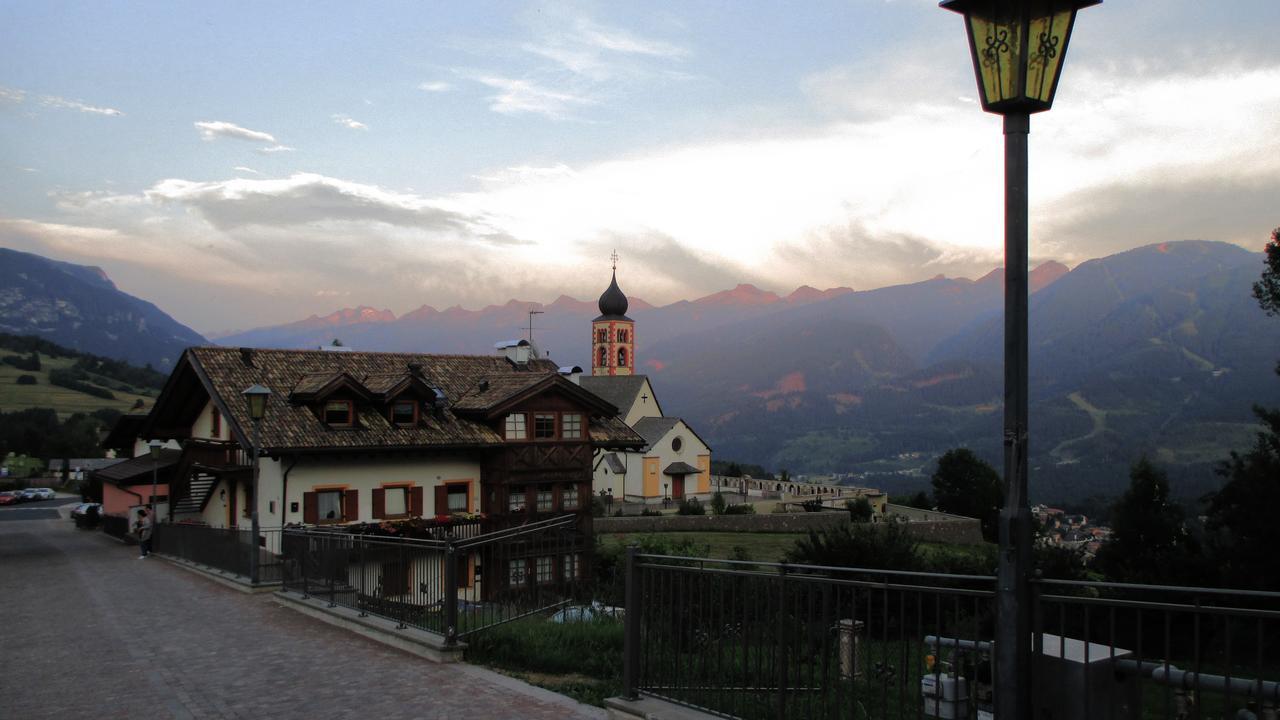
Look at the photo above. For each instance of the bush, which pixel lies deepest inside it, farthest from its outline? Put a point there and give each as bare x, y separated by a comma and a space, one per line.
887, 546
74, 380
717, 503
860, 509
27, 380
648, 513
593, 649
691, 506
31, 362
743, 509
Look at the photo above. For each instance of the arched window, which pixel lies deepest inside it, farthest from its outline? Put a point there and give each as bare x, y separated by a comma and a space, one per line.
603, 358
622, 335
602, 335
622, 357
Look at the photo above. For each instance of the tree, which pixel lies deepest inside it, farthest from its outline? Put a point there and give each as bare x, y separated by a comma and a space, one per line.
860, 509
1267, 289
717, 503
965, 485
884, 546
1241, 534
1150, 542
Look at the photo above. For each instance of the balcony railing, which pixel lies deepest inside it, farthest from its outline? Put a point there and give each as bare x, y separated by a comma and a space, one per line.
226, 550
764, 640
215, 454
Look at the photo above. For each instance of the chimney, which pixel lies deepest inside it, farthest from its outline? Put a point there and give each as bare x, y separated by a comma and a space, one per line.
246, 356
415, 369
437, 406
517, 351
573, 373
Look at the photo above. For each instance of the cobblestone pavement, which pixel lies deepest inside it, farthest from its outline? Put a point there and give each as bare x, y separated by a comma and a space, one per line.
88, 630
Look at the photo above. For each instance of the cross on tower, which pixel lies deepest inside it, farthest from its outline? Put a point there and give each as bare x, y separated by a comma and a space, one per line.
614, 258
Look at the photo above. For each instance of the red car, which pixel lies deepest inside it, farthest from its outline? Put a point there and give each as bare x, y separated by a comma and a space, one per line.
8, 498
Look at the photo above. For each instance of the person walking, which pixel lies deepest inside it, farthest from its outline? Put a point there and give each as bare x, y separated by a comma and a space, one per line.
143, 528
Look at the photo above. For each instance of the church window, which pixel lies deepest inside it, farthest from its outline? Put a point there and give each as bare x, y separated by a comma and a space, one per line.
622, 357
622, 335
603, 357
677, 443
602, 335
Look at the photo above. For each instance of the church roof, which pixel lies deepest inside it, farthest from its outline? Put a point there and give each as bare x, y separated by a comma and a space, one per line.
652, 429
613, 303
619, 390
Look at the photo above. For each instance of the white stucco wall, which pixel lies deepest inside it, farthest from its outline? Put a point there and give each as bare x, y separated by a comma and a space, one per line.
643, 408
362, 475
203, 426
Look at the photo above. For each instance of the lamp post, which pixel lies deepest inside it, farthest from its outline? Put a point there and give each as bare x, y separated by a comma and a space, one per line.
256, 397
1018, 49
155, 446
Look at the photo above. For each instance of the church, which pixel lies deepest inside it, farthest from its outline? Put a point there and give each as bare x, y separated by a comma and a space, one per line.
674, 463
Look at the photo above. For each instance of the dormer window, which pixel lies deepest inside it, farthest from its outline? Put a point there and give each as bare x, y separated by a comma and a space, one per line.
515, 427
339, 413
544, 426
404, 413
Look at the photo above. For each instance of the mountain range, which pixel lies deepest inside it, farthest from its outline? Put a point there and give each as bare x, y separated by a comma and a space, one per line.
78, 306
1158, 351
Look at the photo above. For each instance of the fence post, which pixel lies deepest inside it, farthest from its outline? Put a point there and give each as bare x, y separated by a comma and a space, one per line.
631, 628
781, 641
450, 599
362, 593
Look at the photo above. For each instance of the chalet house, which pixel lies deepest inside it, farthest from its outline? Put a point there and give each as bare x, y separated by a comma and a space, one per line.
363, 436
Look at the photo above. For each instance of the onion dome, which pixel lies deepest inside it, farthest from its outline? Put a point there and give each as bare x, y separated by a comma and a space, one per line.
613, 304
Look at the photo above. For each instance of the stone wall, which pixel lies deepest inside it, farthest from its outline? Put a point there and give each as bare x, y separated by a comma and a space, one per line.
954, 530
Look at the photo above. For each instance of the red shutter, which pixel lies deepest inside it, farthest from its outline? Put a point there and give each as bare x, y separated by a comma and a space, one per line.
442, 500
310, 508
351, 512
415, 502
379, 503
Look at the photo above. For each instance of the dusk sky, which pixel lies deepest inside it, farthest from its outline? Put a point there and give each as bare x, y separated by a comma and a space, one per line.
243, 164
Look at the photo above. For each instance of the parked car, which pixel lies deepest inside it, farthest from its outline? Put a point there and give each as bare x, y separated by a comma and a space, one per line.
39, 494
10, 497
587, 613
27, 495
87, 514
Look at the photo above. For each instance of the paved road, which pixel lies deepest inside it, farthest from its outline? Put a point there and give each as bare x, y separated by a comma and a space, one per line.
37, 509
88, 630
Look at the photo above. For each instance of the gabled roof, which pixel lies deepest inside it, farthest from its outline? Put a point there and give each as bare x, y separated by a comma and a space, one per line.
124, 432
495, 394
291, 427
320, 385
619, 390
137, 471
655, 428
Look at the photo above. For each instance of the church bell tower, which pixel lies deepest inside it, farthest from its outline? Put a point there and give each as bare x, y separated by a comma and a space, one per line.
613, 334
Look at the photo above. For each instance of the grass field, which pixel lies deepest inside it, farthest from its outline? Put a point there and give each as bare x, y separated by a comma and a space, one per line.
768, 547
63, 401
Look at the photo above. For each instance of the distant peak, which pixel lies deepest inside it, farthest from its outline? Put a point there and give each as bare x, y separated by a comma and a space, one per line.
808, 294
743, 294
1046, 274
352, 316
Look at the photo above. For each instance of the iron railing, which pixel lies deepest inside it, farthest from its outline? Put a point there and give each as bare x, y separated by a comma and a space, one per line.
769, 640
226, 550
116, 526
450, 586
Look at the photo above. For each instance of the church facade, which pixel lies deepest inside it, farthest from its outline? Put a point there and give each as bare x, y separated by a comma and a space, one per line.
674, 463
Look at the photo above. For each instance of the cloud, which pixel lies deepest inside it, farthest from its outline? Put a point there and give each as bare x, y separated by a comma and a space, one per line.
213, 129
244, 169
13, 95
622, 41
276, 149
347, 122
58, 102
307, 198
435, 86
518, 97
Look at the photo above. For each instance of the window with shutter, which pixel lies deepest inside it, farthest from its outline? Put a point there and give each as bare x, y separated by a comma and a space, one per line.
329, 506
441, 500
310, 508
397, 502
352, 506
415, 502
379, 503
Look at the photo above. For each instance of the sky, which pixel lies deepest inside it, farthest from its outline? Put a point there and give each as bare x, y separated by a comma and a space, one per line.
245, 164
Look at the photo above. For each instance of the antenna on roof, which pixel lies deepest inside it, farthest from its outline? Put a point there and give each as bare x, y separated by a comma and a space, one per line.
532, 312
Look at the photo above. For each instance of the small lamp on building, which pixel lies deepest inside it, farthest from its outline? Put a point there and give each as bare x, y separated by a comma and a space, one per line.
256, 398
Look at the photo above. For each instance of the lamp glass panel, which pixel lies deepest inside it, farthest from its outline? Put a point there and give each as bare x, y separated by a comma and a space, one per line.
257, 405
1048, 37
998, 46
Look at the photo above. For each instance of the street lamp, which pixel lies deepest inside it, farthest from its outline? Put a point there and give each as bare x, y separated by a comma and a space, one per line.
256, 397
1018, 49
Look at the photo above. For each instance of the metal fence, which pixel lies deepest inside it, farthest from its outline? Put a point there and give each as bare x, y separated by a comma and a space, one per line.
453, 587
227, 550
116, 526
766, 640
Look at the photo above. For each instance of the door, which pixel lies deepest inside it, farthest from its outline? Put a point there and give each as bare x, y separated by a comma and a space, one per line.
677, 486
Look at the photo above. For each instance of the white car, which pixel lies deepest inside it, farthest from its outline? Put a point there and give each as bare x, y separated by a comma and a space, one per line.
43, 493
